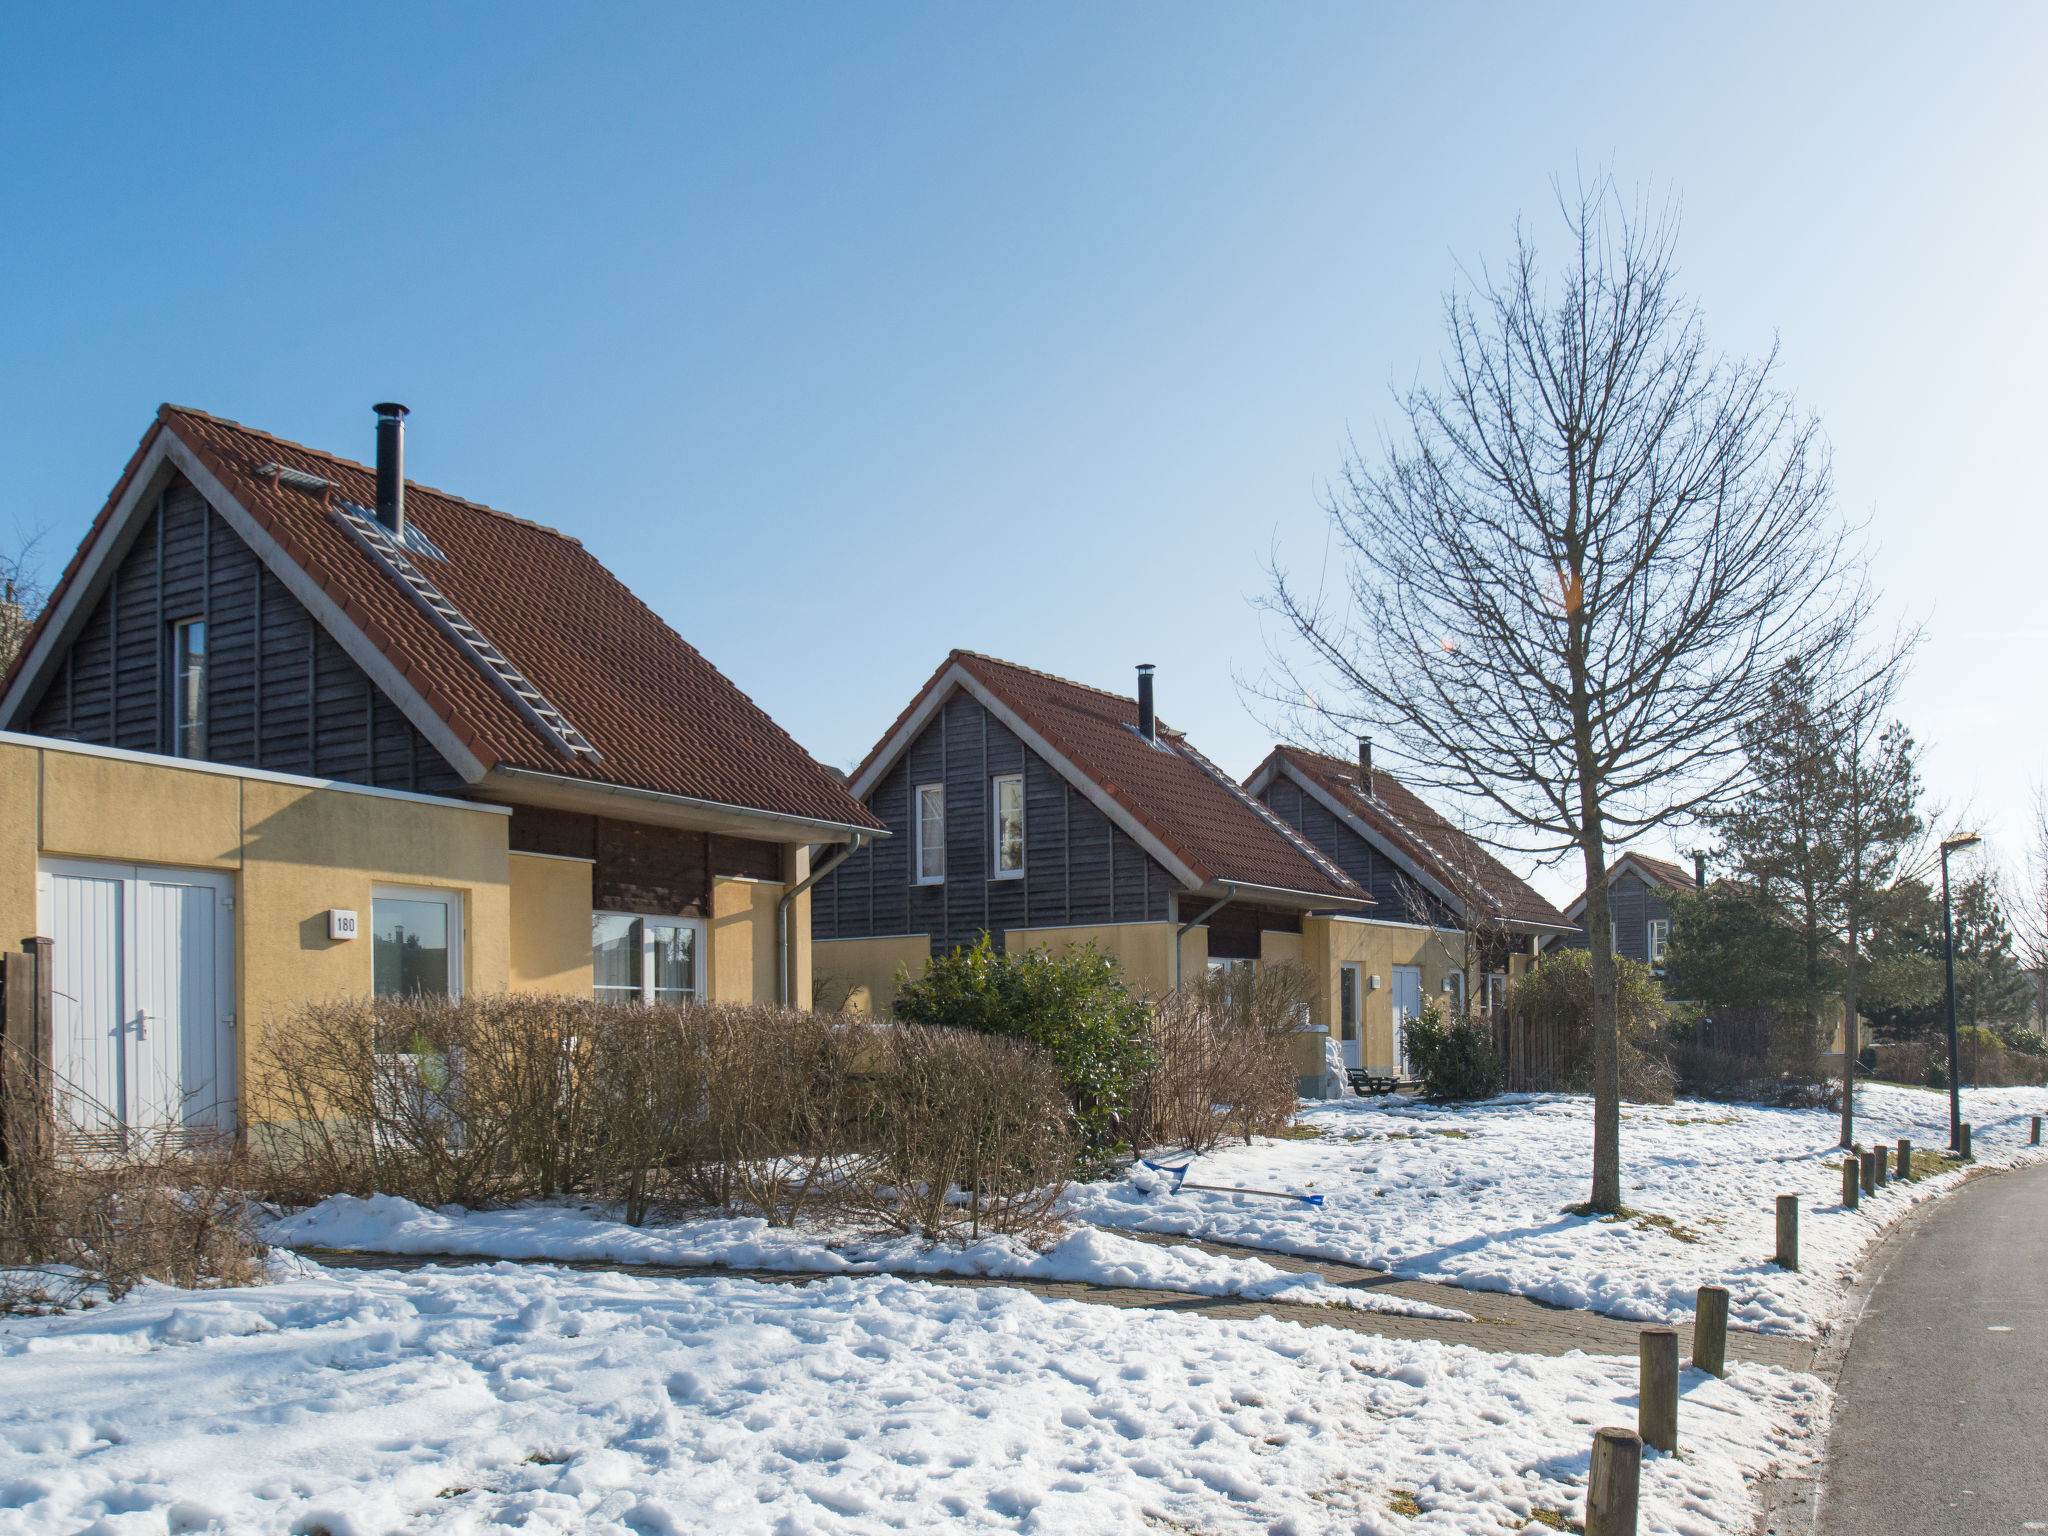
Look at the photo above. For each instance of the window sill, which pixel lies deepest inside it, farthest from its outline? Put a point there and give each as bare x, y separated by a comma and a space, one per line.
1008, 874
937, 880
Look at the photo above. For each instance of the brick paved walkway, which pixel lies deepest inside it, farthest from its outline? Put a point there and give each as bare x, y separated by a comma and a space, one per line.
1505, 1324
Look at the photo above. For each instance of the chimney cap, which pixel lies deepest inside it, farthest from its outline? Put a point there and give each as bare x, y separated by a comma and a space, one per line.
1146, 666
391, 408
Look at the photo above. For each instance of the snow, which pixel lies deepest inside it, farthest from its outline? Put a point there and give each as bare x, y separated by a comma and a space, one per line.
385, 1224
484, 1396
1475, 1196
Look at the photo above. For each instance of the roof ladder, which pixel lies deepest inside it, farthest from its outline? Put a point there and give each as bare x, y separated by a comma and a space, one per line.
553, 725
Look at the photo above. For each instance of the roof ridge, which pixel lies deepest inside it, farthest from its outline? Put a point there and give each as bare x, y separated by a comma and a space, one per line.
1064, 682
368, 469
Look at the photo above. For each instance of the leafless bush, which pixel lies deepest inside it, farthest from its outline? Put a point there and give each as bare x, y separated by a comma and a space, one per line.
1222, 1058
968, 1134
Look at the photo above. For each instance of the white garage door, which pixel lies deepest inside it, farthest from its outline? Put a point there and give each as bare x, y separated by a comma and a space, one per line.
144, 996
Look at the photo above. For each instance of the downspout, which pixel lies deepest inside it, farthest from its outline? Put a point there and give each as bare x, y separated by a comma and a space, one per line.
1230, 895
785, 982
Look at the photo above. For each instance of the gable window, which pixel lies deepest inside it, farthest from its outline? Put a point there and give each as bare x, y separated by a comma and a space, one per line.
644, 959
1657, 938
1009, 826
930, 808
188, 688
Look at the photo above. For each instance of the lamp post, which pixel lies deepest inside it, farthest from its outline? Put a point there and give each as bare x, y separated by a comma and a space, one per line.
1948, 947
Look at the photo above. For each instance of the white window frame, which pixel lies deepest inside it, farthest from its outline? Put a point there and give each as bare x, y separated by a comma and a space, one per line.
1454, 989
644, 928
919, 847
996, 815
1656, 939
182, 728
457, 930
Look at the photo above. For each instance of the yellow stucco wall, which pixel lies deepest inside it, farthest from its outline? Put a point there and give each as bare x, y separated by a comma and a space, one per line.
550, 912
1144, 950
859, 975
743, 941
19, 768
1328, 942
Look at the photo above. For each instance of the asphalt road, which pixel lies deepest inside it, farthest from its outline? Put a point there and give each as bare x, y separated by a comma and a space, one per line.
1941, 1414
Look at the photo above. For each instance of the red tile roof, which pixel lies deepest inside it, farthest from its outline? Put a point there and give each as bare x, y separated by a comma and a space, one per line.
661, 715
1201, 815
1451, 856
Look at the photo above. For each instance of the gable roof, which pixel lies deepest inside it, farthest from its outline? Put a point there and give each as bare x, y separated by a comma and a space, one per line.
662, 719
1661, 873
1180, 807
1427, 846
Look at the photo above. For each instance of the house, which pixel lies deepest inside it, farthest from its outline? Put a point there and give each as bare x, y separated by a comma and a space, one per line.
1048, 813
1447, 915
1638, 895
292, 727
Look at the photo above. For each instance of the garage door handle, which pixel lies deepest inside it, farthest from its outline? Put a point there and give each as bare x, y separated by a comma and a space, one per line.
142, 1026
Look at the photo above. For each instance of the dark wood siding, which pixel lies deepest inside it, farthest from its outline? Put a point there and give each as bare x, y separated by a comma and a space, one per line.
1079, 867
1398, 897
280, 693
654, 871
1634, 904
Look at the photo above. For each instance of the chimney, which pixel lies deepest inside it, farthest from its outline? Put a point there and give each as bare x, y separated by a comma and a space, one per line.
391, 467
1148, 724
1365, 764
1699, 870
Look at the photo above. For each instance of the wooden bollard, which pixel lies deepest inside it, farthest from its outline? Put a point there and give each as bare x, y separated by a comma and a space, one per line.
1852, 1180
1613, 1482
2035, 1140
1657, 1388
1866, 1169
1881, 1155
1963, 1146
1788, 1231
1905, 1158
1710, 1330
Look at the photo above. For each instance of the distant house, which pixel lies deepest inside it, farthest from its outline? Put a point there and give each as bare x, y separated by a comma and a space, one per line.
1429, 881
1048, 813
1639, 888
291, 727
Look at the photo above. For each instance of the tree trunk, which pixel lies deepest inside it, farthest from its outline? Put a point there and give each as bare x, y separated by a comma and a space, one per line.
1606, 1031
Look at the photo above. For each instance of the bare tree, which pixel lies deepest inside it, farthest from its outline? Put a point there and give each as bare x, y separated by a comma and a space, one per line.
2030, 908
21, 599
1572, 583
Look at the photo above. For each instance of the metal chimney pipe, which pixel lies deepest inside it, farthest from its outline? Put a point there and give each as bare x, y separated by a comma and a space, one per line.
391, 466
1699, 871
1365, 763
1148, 723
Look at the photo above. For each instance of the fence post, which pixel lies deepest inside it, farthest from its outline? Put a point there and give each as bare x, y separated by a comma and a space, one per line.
1613, 1482
1905, 1157
2036, 1139
1657, 1388
1710, 1330
1788, 1231
1964, 1149
1852, 1180
27, 1049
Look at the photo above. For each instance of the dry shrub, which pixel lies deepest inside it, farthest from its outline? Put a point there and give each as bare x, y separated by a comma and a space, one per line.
1222, 1061
969, 1134
1555, 1001
82, 1215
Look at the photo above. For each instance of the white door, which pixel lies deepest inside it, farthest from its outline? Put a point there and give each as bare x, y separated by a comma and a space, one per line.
1407, 1005
1351, 1014
144, 996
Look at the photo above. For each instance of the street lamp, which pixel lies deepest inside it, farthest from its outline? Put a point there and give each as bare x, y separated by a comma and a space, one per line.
1948, 946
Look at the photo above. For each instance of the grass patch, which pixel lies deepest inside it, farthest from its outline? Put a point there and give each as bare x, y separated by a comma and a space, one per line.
1550, 1519
1402, 1502
1646, 1220
1455, 1135
1300, 1132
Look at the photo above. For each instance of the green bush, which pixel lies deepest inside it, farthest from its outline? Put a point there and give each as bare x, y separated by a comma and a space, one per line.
1073, 1007
1453, 1054
2025, 1039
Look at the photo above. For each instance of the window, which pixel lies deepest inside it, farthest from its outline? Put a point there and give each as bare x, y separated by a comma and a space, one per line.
930, 805
1348, 999
188, 688
1496, 991
416, 942
1659, 938
1454, 989
644, 959
1009, 826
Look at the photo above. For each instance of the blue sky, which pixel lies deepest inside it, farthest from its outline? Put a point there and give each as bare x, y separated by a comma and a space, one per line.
851, 334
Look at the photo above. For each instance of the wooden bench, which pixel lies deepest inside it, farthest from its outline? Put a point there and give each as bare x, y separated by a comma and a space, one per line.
1365, 1085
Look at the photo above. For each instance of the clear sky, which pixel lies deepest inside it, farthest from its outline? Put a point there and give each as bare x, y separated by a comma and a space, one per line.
850, 334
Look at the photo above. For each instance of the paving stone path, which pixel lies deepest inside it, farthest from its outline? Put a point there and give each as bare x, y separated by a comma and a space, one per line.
1504, 1324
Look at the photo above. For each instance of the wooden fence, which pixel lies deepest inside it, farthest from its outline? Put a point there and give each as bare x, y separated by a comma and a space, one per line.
27, 1050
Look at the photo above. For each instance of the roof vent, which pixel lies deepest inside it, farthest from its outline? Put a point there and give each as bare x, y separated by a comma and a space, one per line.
1365, 765
1148, 723
391, 466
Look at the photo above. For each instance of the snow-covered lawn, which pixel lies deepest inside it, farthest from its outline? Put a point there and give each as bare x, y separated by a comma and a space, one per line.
552, 1400
1476, 1195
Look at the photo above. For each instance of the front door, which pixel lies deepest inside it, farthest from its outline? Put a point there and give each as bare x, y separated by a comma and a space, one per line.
144, 997
1407, 1005
1351, 1015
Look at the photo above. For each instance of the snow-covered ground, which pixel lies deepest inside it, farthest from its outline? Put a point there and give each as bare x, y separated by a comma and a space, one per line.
1475, 1196
553, 1400
384, 1224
